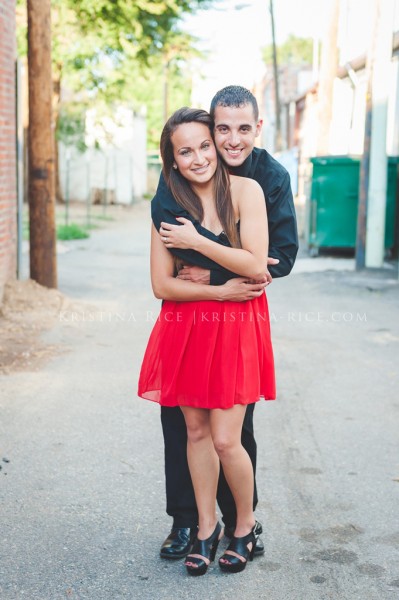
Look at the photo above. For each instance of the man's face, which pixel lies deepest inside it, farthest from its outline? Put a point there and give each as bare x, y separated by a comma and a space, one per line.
235, 133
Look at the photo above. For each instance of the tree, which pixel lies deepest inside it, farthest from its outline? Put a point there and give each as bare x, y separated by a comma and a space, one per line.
140, 28
294, 51
113, 50
162, 85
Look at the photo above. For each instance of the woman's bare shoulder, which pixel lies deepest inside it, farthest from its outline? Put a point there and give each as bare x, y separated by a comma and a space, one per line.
243, 188
244, 184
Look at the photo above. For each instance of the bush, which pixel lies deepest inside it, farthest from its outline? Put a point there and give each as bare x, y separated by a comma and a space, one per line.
71, 232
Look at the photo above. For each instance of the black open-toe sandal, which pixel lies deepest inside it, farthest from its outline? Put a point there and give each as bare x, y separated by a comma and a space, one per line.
206, 548
240, 546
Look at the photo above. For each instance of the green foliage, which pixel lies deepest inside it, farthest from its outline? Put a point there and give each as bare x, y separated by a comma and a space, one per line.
108, 52
92, 226
139, 28
71, 126
144, 85
104, 218
21, 27
294, 51
71, 232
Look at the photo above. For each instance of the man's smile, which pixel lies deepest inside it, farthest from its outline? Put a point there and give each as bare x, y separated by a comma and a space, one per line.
234, 152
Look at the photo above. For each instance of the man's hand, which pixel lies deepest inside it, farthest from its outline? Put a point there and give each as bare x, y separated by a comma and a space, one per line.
270, 261
195, 274
200, 275
240, 289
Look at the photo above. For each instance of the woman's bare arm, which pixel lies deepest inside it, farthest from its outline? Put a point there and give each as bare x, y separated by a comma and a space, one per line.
248, 261
167, 287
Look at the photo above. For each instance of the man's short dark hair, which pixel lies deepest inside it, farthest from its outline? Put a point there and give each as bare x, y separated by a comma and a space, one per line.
234, 95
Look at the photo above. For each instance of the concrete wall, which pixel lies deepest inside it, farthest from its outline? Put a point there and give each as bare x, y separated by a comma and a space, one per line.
8, 194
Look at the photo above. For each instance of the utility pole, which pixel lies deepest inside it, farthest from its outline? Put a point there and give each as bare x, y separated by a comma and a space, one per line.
360, 252
166, 89
43, 266
278, 136
328, 72
377, 191
315, 58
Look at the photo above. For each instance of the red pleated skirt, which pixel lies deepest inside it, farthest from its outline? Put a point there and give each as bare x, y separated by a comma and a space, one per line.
209, 354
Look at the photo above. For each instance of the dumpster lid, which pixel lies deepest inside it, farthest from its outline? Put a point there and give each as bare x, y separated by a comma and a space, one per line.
345, 159
335, 160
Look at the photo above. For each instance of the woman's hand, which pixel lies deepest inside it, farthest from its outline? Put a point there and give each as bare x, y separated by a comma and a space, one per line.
183, 236
240, 289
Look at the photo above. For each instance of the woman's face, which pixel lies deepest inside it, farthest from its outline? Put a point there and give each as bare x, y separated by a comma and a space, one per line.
194, 152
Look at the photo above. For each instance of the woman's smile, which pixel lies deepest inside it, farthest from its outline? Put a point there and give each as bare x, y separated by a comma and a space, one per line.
200, 170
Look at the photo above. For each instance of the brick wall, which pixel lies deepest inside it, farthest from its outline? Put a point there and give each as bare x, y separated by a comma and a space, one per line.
8, 195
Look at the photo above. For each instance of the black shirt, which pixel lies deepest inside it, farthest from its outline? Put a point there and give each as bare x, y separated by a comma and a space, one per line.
283, 237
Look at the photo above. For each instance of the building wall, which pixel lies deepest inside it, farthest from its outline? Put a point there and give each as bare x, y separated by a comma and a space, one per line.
119, 167
293, 80
8, 194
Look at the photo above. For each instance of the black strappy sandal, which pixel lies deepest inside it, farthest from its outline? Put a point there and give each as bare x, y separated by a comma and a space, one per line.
206, 548
240, 546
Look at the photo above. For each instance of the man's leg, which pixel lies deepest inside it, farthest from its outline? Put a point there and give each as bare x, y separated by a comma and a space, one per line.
180, 499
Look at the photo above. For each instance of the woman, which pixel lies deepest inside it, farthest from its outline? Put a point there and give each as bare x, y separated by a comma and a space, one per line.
210, 351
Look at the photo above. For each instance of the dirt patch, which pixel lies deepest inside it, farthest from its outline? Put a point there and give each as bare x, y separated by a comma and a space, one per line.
28, 309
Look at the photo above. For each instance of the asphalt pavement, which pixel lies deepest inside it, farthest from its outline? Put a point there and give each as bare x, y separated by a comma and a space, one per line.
82, 497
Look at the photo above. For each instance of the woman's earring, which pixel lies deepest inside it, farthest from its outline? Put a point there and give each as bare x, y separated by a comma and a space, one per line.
174, 165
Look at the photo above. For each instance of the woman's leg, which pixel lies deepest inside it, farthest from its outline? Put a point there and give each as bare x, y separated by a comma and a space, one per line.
204, 467
226, 426
224, 496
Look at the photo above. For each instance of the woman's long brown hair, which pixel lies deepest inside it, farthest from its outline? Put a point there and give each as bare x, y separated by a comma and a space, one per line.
181, 188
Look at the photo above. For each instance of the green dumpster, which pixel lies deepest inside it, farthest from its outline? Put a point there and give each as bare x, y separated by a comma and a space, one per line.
332, 206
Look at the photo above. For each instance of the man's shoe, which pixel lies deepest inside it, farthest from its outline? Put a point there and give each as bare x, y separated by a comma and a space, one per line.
178, 542
259, 548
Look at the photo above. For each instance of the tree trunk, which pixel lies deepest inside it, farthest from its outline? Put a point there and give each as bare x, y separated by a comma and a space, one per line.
43, 265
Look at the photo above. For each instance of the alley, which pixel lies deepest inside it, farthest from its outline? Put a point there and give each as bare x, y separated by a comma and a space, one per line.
82, 486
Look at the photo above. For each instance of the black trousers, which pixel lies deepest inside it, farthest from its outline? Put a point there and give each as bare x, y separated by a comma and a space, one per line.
180, 499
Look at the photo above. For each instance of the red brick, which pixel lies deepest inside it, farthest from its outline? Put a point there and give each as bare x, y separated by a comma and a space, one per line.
8, 194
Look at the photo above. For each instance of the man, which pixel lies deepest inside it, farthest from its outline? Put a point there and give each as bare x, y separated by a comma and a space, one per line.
237, 124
